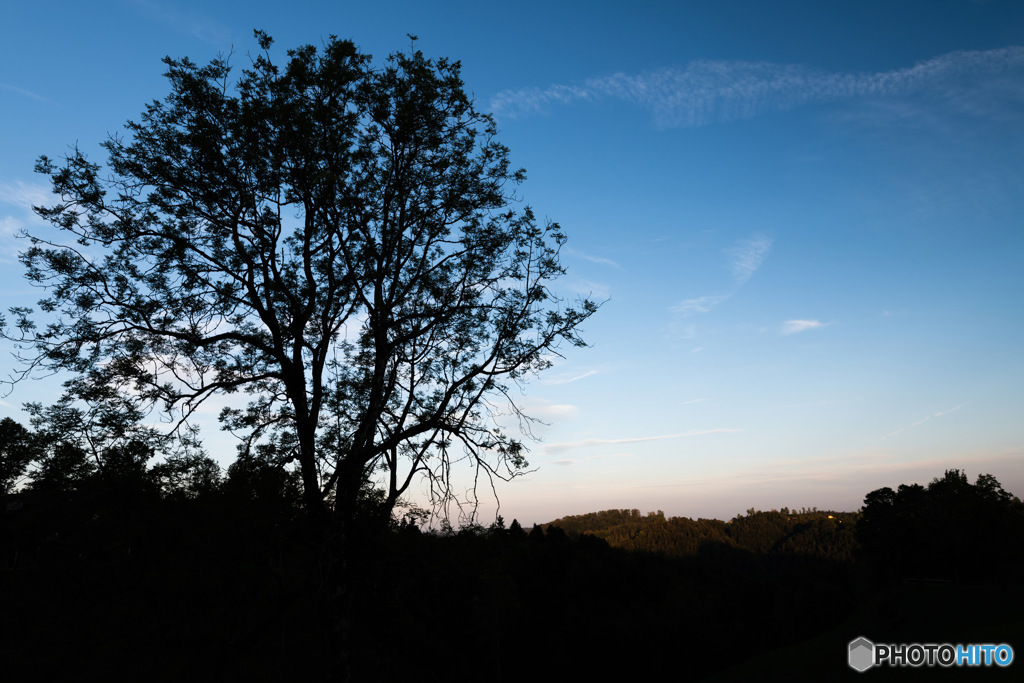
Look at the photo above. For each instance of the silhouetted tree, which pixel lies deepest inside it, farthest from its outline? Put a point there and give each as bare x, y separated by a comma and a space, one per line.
188, 474
262, 481
62, 467
17, 450
335, 239
515, 530
92, 431
949, 529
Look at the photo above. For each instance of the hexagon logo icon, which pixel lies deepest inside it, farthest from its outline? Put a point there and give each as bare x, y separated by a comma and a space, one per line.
862, 654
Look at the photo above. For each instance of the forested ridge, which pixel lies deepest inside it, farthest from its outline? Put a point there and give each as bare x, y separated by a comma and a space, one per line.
828, 534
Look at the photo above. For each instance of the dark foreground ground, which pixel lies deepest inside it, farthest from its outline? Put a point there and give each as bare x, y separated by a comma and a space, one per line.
189, 591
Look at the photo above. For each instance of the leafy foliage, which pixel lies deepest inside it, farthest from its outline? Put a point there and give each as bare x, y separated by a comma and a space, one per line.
950, 530
16, 452
335, 239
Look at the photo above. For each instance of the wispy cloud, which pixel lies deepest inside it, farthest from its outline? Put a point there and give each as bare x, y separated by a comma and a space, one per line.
555, 448
26, 93
600, 260
547, 411
595, 290
706, 91
567, 378
926, 418
938, 414
692, 401
796, 326
573, 461
24, 195
8, 225
701, 304
17, 200
745, 256
187, 21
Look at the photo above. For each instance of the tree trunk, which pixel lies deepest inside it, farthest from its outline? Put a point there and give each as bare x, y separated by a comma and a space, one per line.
344, 535
336, 601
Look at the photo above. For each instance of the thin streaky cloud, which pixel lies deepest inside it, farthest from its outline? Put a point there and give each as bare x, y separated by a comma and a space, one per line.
947, 412
707, 92
797, 326
9, 248
26, 93
692, 401
590, 458
24, 195
188, 21
567, 379
597, 290
552, 449
745, 258
560, 411
600, 260
926, 418
701, 304
938, 414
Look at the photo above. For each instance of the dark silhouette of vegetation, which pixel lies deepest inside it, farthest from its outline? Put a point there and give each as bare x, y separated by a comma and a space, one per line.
341, 242
191, 573
208, 585
336, 239
16, 452
949, 530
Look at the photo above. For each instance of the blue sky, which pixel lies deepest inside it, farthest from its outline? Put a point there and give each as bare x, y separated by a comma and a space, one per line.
806, 219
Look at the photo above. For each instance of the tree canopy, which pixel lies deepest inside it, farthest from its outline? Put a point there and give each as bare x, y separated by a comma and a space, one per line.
948, 529
339, 241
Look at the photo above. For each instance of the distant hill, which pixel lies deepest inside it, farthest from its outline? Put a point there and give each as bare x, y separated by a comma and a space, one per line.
821, 533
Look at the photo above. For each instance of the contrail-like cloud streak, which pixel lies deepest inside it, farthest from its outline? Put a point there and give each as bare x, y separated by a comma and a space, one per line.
555, 448
707, 92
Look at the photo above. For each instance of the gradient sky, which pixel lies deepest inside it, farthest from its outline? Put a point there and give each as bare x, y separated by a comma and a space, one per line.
807, 220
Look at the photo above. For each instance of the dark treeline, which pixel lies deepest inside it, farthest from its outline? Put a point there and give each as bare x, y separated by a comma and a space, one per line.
173, 570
